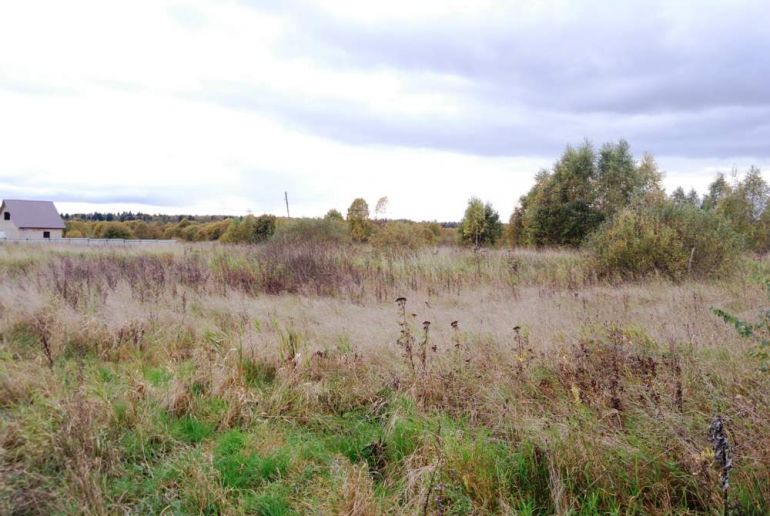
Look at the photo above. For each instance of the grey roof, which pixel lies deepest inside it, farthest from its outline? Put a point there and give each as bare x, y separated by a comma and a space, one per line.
33, 214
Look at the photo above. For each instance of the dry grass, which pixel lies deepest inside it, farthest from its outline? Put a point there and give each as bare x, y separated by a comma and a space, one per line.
211, 379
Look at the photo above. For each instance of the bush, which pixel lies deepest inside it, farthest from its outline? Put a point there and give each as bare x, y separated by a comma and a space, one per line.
192, 233
401, 236
312, 230
671, 239
250, 229
113, 230
334, 215
140, 229
358, 221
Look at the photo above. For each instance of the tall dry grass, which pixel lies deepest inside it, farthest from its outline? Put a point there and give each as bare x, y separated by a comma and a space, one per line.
206, 379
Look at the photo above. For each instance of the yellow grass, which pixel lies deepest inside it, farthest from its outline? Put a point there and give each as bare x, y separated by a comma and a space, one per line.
600, 401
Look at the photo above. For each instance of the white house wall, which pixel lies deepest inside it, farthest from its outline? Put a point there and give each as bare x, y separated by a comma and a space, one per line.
11, 232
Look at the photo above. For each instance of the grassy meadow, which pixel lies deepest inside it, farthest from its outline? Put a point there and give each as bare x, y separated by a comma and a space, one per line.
286, 379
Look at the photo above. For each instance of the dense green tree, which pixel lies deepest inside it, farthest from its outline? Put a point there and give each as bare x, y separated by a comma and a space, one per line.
744, 204
693, 198
762, 241
678, 196
566, 205
480, 225
359, 225
617, 180
651, 192
264, 227
718, 189
562, 209
522, 223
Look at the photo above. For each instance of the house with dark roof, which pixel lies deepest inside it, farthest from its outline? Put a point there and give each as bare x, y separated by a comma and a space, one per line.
29, 220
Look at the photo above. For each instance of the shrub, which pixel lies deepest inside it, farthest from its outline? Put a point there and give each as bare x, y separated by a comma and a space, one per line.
214, 230
140, 229
77, 229
400, 236
192, 233
334, 215
358, 220
311, 230
250, 229
430, 231
113, 230
668, 238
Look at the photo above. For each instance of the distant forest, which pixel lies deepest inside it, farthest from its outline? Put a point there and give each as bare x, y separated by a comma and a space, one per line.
125, 216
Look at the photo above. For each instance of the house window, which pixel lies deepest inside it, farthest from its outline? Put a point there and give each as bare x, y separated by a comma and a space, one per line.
46, 234
7, 215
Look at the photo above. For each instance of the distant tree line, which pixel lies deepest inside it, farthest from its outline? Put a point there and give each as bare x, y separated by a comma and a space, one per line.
126, 216
356, 227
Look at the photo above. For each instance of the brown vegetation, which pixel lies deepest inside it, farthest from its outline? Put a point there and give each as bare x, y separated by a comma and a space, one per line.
284, 378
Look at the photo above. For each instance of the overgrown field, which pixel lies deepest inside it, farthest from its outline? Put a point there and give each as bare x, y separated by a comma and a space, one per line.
287, 379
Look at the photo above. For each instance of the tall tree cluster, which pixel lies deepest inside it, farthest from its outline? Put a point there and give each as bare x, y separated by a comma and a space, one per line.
583, 189
745, 204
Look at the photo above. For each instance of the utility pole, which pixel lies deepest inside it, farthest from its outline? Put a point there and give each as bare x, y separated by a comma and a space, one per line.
286, 198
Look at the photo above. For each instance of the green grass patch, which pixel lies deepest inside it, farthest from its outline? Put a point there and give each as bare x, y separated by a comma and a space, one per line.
157, 376
269, 501
190, 430
240, 468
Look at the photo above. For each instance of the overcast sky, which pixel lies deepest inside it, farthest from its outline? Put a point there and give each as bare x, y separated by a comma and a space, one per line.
221, 106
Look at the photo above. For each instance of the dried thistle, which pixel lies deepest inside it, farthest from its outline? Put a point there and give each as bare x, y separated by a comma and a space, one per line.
519, 340
406, 339
424, 345
456, 334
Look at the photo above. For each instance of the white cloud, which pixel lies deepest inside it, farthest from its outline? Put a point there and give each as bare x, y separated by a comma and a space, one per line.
220, 107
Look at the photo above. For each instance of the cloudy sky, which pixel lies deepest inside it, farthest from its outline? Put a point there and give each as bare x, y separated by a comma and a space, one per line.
221, 106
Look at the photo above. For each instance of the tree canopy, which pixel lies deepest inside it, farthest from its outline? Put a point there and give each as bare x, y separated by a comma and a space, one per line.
480, 225
582, 190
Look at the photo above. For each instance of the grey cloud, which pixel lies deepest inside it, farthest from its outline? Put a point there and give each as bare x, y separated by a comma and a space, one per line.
627, 59
684, 82
501, 133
